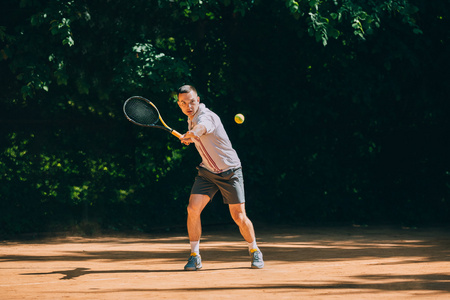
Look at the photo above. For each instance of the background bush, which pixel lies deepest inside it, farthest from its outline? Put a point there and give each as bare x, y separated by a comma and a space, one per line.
346, 106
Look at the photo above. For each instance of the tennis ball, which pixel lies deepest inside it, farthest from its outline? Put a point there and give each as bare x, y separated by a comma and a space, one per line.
239, 118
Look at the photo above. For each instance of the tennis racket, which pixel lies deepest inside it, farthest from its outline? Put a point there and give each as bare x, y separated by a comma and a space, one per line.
142, 112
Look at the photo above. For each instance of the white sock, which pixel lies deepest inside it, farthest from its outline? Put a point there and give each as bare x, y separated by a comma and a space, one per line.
195, 247
252, 246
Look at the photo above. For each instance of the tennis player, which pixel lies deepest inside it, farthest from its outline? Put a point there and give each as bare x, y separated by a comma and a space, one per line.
220, 170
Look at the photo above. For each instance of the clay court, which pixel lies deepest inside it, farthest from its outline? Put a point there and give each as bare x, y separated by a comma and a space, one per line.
301, 262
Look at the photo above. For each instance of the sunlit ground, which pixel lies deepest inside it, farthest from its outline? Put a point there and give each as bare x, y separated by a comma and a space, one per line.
335, 263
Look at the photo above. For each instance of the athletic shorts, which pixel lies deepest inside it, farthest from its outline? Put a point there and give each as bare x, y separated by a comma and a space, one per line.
230, 184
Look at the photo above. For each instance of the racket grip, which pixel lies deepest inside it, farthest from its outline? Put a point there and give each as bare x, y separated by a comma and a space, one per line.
176, 133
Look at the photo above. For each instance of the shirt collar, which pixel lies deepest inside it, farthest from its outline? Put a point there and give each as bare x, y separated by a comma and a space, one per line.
201, 107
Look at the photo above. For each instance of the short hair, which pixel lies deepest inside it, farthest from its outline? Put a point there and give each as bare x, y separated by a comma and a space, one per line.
186, 89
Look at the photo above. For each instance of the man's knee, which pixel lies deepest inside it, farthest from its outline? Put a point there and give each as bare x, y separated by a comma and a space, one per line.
193, 210
240, 219
238, 216
196, 204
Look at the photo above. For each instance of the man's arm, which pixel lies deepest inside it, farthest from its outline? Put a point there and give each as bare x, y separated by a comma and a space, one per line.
195, 132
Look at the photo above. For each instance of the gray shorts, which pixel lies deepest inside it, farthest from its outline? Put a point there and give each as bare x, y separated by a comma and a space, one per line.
230, 184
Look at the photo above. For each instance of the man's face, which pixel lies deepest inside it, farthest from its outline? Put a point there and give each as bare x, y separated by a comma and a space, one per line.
189, 103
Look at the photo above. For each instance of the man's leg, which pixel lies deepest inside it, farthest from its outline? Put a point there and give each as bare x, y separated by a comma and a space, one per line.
239, 216
196, 205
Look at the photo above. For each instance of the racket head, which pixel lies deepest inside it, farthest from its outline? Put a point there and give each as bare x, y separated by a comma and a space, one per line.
141, 111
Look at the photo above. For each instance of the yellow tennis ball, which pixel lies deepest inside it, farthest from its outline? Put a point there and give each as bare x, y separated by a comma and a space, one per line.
239, 118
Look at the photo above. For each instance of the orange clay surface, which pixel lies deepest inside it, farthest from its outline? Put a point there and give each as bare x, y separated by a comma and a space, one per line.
301, 263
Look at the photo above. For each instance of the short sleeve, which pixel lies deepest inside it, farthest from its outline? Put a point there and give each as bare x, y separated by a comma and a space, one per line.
207, 121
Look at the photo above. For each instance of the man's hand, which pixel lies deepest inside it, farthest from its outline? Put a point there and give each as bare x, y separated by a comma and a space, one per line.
187, 138
196, 132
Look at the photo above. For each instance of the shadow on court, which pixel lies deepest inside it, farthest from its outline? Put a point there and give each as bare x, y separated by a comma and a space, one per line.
434, 282
307, 262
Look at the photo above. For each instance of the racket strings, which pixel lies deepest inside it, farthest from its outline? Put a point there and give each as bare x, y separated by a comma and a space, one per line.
141, 112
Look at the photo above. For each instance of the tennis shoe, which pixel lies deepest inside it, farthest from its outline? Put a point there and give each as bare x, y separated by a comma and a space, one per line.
194, 263
257, 259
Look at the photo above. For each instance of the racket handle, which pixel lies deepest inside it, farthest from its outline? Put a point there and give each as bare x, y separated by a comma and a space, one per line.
176, 133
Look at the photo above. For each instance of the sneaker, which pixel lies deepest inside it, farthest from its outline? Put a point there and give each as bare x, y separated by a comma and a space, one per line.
194, 263
257, 259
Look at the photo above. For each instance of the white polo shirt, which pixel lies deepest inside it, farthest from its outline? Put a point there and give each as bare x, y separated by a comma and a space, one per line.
214, 146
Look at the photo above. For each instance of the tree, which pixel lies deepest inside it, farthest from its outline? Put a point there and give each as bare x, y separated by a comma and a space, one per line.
344, 103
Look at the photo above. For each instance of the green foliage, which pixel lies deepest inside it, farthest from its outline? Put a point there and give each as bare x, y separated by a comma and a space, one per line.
150, 68
345, 105
341, 19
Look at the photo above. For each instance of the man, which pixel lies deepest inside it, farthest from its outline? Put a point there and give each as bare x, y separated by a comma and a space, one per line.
220, 170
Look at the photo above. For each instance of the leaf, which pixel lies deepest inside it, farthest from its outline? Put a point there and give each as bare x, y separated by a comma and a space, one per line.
333, 32
68, 41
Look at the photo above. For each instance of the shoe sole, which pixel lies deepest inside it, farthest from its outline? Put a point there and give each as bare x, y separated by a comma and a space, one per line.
256, 267
193, 268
